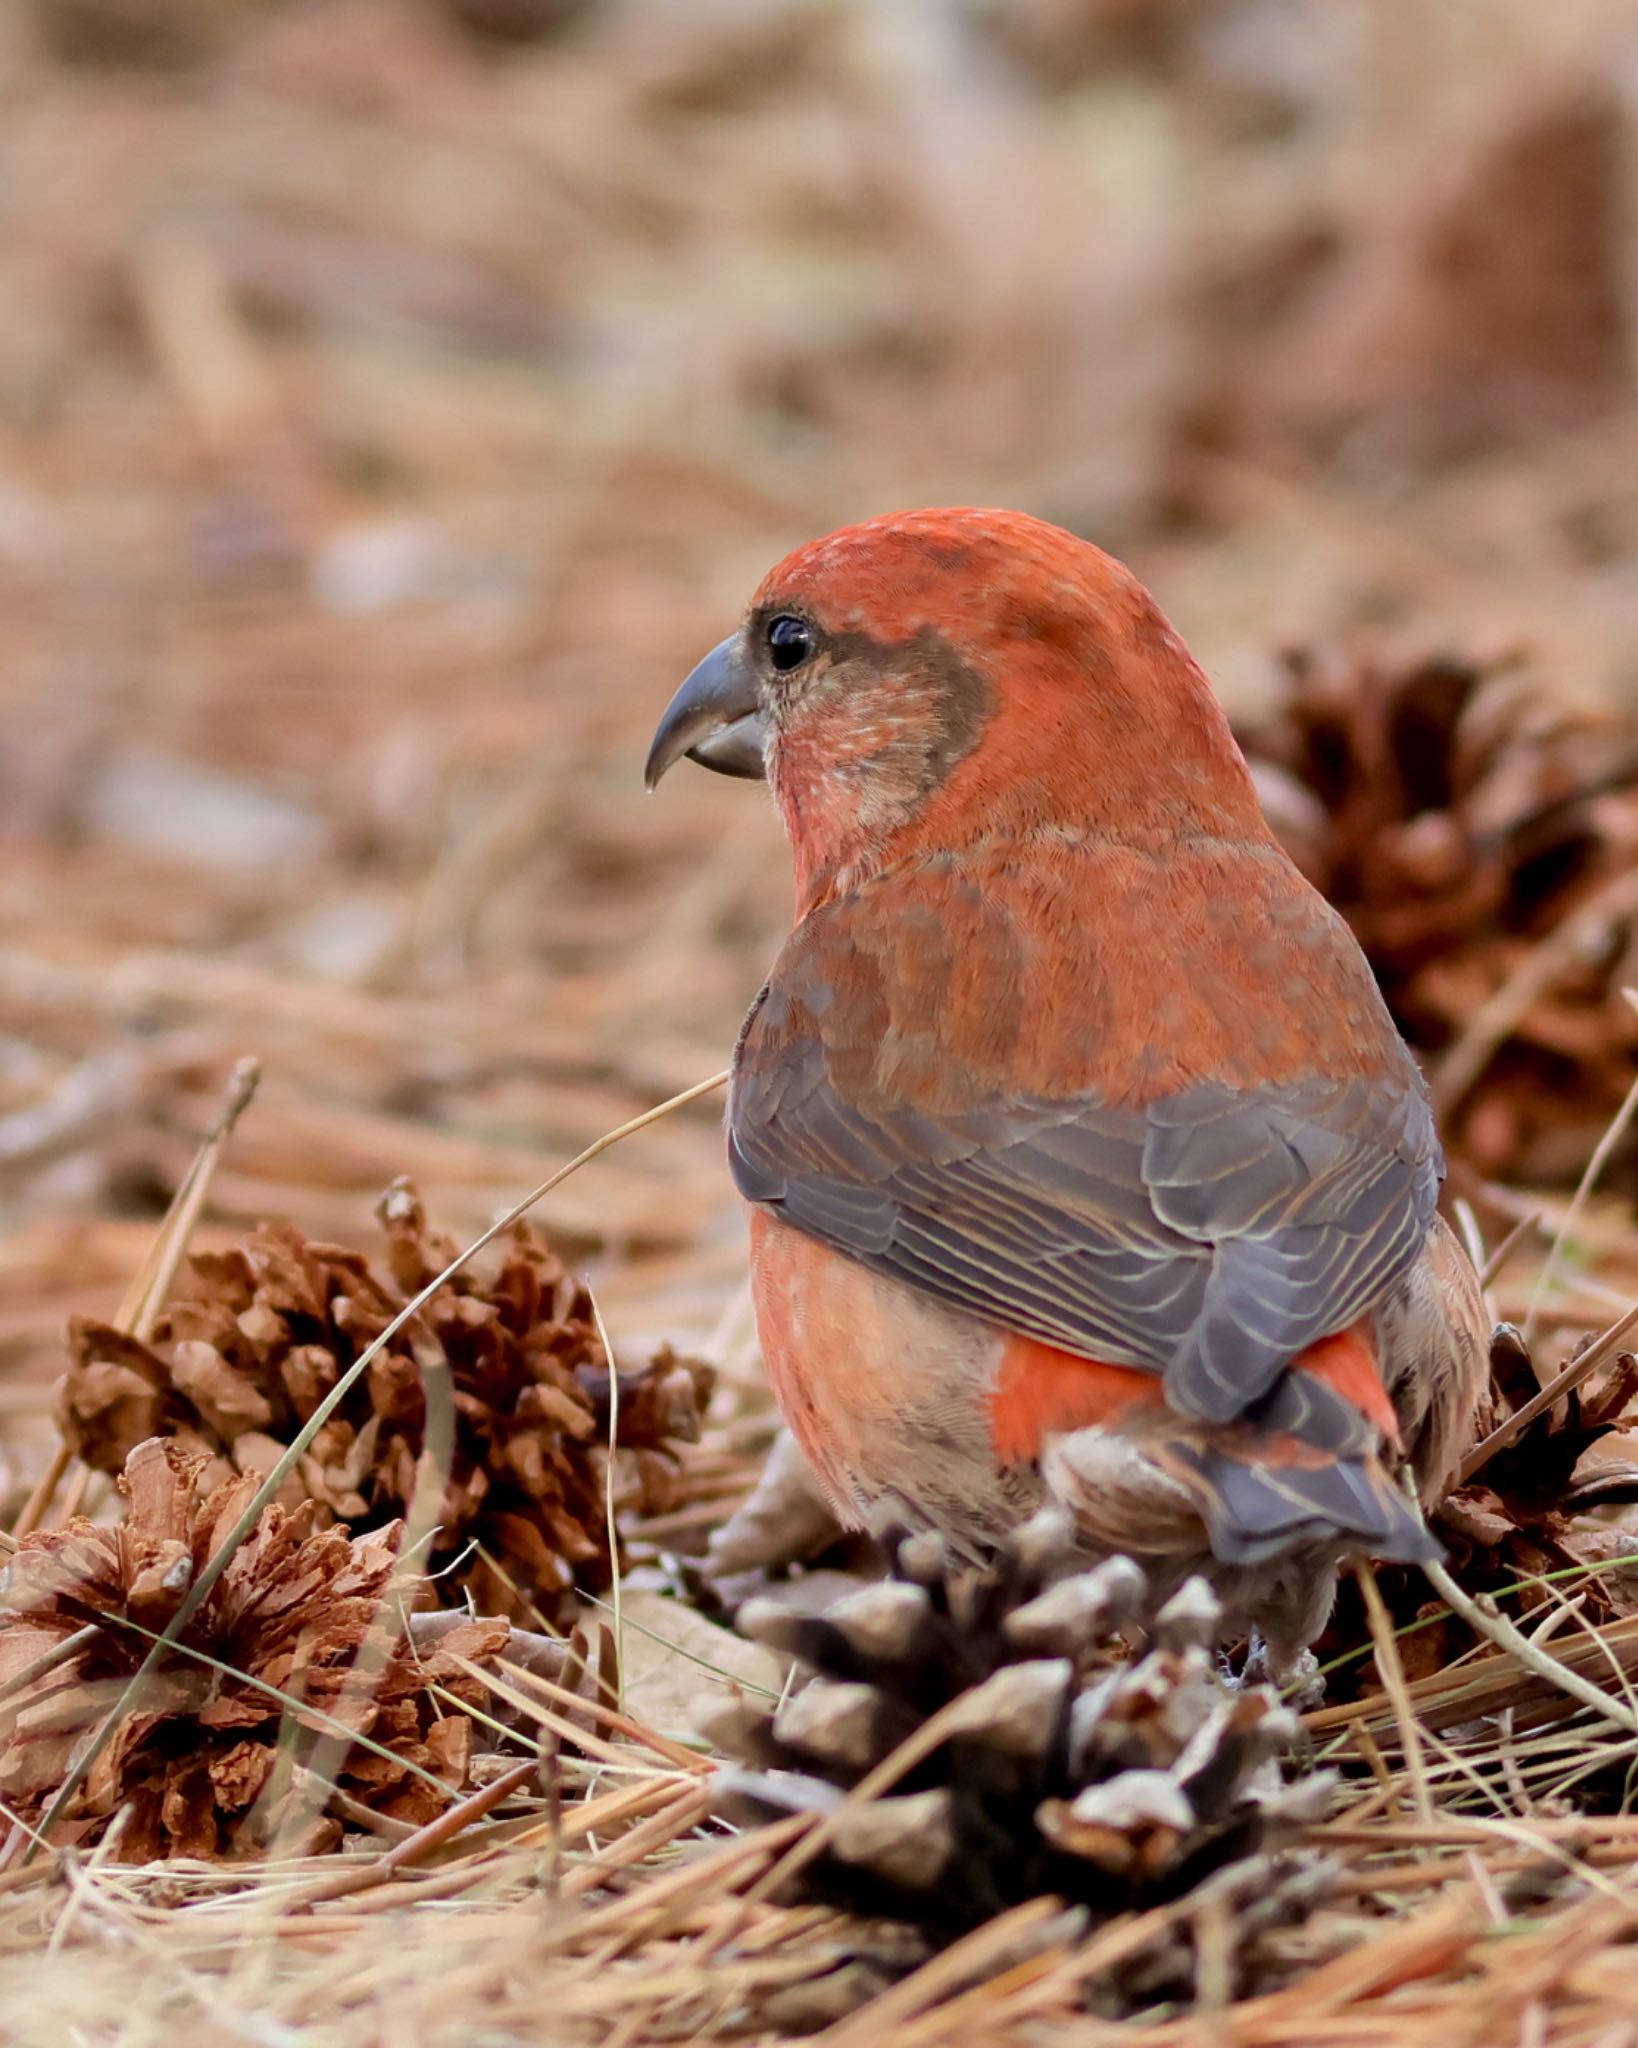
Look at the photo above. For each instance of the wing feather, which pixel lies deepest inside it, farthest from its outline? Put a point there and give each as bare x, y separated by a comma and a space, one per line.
1210, 1235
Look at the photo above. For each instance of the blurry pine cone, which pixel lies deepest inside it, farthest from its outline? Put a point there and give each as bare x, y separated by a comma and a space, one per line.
194, 1761
1533, 1513
1063, 1766
260, 1335
1460, 816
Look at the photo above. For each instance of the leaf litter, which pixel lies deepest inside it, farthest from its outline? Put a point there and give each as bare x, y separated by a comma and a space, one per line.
397, 398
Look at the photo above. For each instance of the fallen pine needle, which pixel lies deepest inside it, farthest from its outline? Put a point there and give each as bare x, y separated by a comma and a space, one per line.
1393, 1679
443, 1828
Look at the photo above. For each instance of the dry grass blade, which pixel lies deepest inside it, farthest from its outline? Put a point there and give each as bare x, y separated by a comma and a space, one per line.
1482, 1685
1488, 1620
1393, 1678
1496, 1263
393, 400
608, 1503
151, 1285
431, 1483
146, 1294
611, 1717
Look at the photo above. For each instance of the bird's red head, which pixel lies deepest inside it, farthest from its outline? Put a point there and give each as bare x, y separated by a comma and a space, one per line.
928, 678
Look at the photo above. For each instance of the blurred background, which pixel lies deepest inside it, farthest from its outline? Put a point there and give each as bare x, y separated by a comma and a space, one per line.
396, 396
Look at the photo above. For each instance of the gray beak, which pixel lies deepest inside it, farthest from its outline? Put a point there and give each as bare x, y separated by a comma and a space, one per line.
713, 719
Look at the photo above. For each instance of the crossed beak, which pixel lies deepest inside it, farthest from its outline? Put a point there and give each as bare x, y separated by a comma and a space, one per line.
714, 719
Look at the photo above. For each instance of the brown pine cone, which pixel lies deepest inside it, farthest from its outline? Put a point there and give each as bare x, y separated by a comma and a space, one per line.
261, 1334
1462, 818
1065, 1766
196, 1758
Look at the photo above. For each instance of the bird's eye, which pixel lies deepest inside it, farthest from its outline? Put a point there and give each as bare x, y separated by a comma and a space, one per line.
790, 642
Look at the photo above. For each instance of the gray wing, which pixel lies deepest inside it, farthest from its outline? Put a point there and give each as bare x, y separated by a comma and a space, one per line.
1210, 1238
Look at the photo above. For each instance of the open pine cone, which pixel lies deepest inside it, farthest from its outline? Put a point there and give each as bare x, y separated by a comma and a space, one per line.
1538, 1510
1539, 1506
1460, 817
1063, 1766
194, 1761
261, 1334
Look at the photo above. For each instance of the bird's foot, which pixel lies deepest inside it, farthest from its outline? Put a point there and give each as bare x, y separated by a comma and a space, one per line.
1294, 1675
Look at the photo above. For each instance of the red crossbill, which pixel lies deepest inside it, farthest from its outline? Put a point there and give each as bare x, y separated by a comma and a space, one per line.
1084, 1160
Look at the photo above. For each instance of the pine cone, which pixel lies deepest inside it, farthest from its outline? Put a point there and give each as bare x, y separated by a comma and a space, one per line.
262, 1333
1458, 816
290, 1611
1063, 1768
1529, 1512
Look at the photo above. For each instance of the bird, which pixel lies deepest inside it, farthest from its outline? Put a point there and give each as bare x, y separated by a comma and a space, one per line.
1086, 1166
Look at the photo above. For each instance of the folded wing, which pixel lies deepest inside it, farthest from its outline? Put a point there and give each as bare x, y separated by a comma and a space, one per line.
1209, 1235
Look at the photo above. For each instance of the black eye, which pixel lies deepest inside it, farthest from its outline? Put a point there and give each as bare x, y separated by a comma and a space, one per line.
790, 642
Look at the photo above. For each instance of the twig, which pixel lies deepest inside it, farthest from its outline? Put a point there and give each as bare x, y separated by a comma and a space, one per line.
424, 1840
1483, 1615
323, 1793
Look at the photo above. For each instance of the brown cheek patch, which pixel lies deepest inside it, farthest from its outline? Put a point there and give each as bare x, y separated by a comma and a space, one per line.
959, 696
909, 710
1041, 1392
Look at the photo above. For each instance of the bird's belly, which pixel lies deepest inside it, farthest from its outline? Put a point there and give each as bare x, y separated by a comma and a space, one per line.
885, 1391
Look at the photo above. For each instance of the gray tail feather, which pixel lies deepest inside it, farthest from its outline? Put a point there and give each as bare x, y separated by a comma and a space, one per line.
1256, 1510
